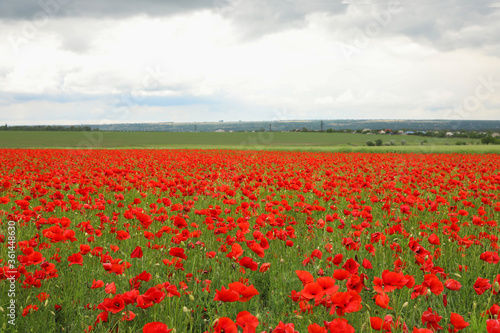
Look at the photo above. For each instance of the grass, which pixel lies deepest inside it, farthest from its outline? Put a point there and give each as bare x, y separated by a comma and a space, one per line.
343, 142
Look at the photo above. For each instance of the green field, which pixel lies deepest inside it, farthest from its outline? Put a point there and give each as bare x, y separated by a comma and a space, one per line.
237, 140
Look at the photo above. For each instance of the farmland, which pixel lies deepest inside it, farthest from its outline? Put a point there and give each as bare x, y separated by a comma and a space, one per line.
240, 140
248, 241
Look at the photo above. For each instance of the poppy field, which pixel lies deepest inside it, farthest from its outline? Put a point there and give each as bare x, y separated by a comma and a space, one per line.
248, 241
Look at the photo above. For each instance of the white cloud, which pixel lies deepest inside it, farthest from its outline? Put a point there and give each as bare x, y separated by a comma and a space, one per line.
197, 66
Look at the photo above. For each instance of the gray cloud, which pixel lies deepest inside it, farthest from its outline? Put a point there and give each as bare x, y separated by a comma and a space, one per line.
256, 18
26, 9
445, 25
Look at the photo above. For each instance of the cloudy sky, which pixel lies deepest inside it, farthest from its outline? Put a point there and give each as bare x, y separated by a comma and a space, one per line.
125, 61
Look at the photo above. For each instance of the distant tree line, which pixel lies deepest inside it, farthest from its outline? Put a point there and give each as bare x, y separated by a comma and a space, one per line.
47, 128
489, 139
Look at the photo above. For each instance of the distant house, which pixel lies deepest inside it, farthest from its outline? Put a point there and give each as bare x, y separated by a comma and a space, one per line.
408, 133
449, 134
366, 130
400, 132
495, 135
381, 132
220, 130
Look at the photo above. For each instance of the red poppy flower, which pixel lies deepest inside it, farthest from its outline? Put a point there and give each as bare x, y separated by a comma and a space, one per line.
434, 239
264, 267
236, 251
84, 249
490, 257
102, 317
226, 295
246, 292
115, 304
177, 252
376, 323
328, 285
257, 249
367, 264
337, 259
385, 324
432, 282
458, 322
305, 277
97, 284
493, 311
75, 259
481, 285
128, 316
156, 327
431, 319
130, 297
180, 223
351, 266
247, 322
345, 302
28, 309
225, 325
313, 290
421, 330
382, 300
340, 325
136, 253
452, 284
154, 295
42, 297
110, 288
340, 274
371, 249
315, 328
248, 262
284, 328
122, 235
390, 281
493, 326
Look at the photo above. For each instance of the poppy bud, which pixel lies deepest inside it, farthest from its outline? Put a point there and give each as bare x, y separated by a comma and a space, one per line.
405, 304
496, 286
186, 310
191, 297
